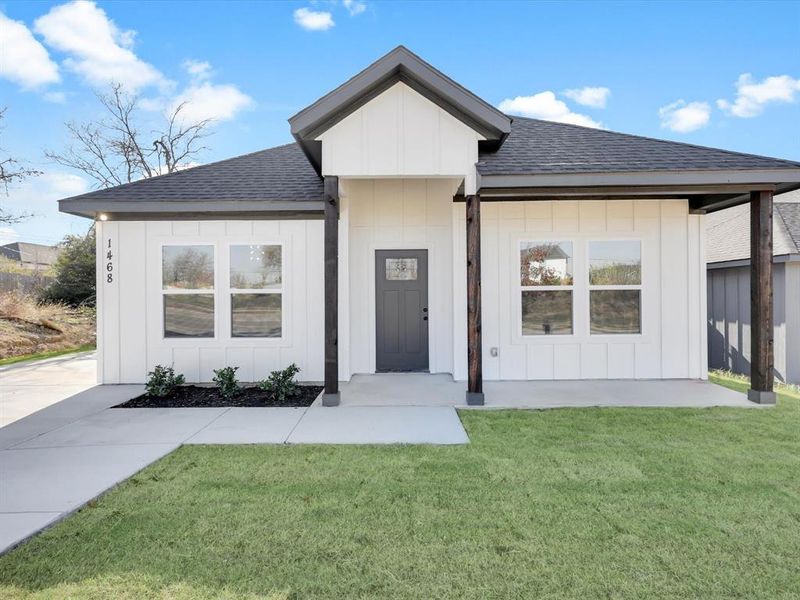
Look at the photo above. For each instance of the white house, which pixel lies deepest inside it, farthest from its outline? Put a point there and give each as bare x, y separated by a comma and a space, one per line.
415, 227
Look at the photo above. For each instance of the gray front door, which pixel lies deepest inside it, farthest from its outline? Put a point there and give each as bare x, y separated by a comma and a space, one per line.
401, 311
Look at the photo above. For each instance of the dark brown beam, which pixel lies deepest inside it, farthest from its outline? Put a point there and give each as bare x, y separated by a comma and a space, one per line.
761, 325
617, 190
331, 396
474, 348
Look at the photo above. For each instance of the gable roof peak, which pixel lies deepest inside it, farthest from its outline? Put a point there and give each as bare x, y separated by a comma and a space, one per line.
398, 65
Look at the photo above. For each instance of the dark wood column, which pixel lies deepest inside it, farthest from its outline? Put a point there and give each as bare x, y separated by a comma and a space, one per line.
761, 323
330, 396
474, 348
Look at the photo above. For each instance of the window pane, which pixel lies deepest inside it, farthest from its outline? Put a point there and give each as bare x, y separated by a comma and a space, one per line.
256, 315
615, 263
545, 263
547, 312
187, 267
615, 311
401, 269
188, 315
255, 267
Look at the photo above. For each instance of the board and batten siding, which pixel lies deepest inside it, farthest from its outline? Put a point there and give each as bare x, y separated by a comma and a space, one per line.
729, 319
393, 214
672, 343
129, 308
400, 133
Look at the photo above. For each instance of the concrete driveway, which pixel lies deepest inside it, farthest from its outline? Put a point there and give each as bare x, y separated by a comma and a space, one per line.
31, 386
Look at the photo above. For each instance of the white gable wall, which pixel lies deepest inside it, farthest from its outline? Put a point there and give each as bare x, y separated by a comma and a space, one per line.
400, 133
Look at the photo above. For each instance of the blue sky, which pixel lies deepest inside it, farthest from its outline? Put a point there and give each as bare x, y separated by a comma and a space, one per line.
663, 69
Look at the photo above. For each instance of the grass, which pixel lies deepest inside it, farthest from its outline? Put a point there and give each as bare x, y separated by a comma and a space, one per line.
42, 355
581, 503
30, 329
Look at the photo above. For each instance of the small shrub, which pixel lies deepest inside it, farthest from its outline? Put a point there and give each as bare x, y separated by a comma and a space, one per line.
281, 384
225, 379
162, 381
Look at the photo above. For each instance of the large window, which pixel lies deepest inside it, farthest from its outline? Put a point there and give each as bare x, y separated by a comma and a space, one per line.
256, 286
546, 282
187, 283
615, 287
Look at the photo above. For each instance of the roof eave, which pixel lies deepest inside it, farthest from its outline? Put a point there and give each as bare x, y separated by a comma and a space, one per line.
199, 209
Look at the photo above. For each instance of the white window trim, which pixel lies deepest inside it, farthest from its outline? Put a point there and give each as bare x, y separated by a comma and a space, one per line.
543, 288
590, 287
222, 295
248, 340
177, 292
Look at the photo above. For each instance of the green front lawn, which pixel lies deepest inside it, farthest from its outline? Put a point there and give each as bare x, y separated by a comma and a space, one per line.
584, 503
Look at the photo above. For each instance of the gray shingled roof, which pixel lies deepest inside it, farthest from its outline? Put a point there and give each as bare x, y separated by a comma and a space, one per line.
728, 231
284, 175
281, 173
536, 147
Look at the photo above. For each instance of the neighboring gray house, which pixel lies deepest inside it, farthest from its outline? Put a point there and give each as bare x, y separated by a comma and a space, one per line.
32, 256
728, 254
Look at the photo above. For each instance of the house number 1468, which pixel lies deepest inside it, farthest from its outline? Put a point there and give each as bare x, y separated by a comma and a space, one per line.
109, 264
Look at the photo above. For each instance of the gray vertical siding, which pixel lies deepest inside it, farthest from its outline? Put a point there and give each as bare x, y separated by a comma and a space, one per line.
729, 320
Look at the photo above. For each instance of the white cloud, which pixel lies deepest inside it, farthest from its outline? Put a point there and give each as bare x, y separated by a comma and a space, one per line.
204, 100
751, 96
684, 117
8, 235
545, 105
97, 49
198, 69
596, 97
313, 20
56, 97
354, 7
23, 59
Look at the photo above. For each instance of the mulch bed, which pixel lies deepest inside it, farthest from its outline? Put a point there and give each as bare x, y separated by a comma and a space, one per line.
196, 396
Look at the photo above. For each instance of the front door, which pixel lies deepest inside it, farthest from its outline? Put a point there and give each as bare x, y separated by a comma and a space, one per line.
401, 311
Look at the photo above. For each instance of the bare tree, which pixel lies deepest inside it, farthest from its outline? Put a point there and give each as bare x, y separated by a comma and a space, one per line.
11, 171
113, 150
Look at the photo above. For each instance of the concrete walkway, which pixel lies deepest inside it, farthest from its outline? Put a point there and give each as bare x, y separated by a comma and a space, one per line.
54, 461
31, 386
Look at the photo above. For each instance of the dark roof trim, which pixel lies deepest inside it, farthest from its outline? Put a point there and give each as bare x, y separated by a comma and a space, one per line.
644, 178
217, 209
398, 65
745, 262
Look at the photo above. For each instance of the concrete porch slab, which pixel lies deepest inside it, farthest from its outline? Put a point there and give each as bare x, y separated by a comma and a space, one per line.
250, 426
379, 425
662, 393
402, 389
422, 389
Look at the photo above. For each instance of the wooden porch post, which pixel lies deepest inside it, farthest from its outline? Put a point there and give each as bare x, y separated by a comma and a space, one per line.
474, 358
331, 199
761, 323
